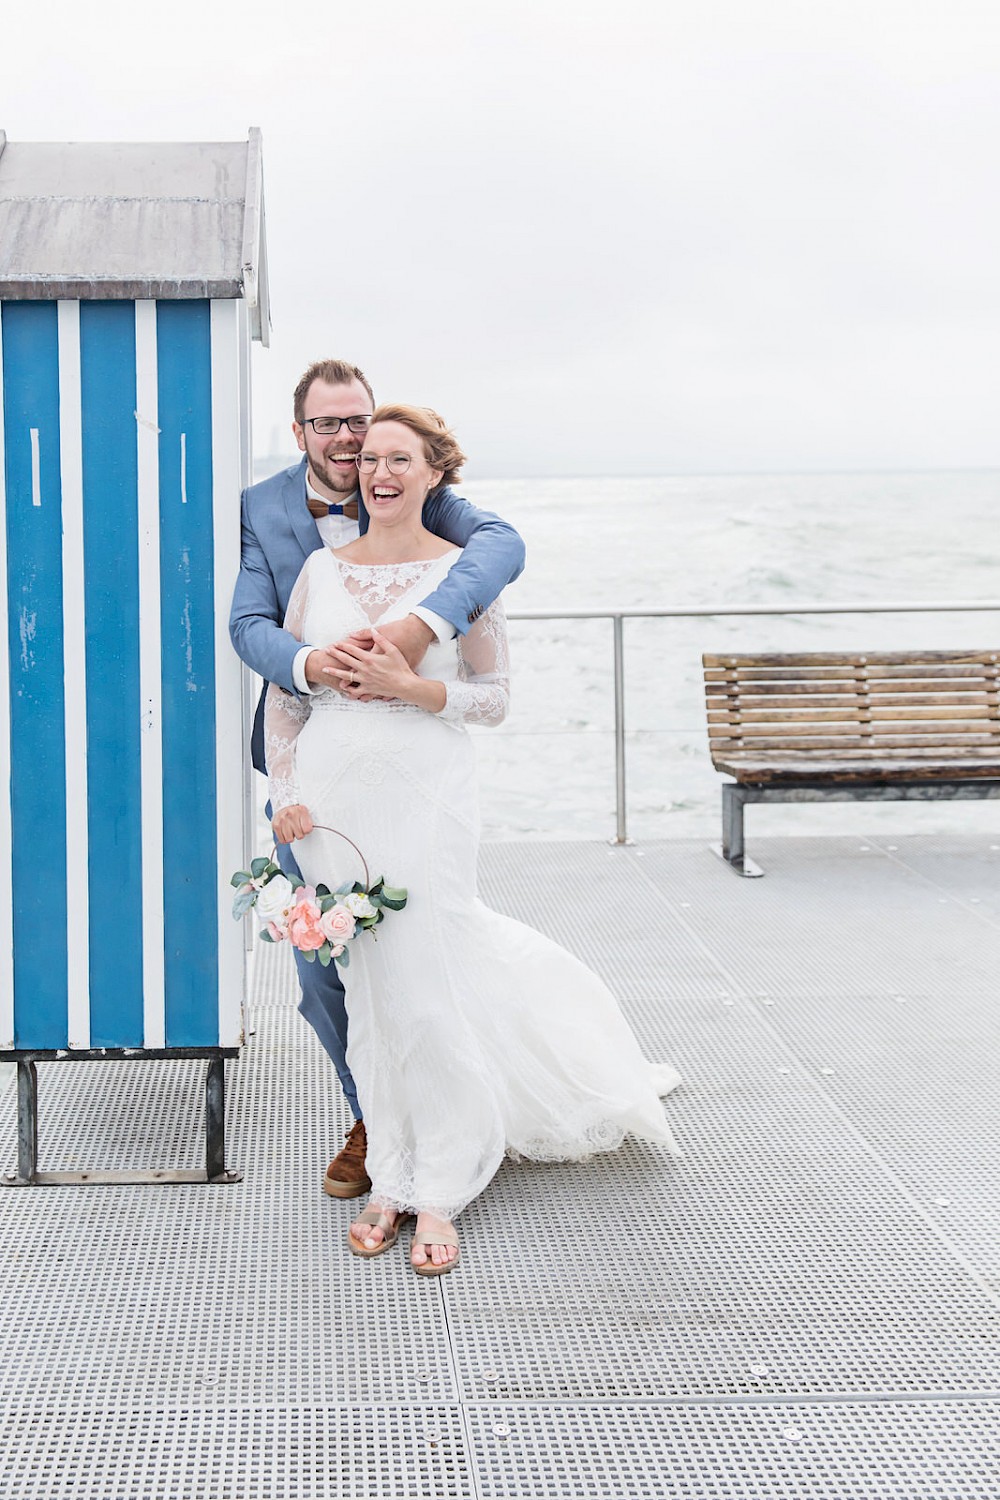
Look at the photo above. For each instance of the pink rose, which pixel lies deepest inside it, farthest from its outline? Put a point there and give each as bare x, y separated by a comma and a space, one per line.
303, 924
278, 934
337, 925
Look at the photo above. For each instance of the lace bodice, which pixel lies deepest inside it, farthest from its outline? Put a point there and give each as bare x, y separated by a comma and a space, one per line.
333, 597
378, 586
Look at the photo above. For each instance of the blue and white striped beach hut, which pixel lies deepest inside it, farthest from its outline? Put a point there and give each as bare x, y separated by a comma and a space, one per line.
132, 281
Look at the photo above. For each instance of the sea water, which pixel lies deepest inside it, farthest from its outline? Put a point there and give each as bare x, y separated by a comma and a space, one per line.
726, 541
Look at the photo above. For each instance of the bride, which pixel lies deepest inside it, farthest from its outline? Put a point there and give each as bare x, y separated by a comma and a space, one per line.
470, 1034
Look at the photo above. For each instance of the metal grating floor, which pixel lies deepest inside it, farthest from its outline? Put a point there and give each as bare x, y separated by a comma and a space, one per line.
806, 1305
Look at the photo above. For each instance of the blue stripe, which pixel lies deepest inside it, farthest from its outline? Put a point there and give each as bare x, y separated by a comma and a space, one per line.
35, 624
111, 554
191, 883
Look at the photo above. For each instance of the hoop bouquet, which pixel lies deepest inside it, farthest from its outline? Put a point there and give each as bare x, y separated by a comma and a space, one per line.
315, 920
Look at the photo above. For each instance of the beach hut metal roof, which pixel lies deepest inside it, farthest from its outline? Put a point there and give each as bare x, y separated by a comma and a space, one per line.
83, 220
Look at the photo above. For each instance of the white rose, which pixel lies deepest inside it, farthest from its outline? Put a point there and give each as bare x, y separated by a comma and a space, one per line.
359, 906
275, 899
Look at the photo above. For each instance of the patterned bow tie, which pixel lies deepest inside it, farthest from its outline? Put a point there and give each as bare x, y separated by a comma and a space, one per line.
319, 509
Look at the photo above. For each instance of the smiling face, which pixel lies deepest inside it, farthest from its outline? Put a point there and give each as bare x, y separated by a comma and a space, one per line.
389, 496
331, 458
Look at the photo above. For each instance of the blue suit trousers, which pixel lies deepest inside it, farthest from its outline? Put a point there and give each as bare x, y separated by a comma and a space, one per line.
322, 1002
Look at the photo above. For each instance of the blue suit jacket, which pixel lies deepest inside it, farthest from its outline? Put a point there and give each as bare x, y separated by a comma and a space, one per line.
278, 535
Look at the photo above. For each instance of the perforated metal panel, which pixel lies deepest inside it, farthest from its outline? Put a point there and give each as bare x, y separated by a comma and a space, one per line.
260, 1453
894, 1452
787, 1311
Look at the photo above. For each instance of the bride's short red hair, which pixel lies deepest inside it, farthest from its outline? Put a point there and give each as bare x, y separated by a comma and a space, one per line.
440, 444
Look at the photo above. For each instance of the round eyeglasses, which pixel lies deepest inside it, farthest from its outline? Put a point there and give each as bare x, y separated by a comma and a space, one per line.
326, 426
396, 463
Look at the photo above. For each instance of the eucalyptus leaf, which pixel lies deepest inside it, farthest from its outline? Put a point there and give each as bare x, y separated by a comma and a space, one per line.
392, 893
323, 954
393, 905
322, 890
265, 936
243, 902
344, 958
296, 882
259, 865
326, 902
309, 956
242, 877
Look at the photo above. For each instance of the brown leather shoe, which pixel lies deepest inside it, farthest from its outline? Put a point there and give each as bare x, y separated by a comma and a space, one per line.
346, 1176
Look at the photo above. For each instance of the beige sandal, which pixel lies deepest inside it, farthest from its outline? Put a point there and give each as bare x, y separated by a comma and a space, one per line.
378, 1220
435, 1237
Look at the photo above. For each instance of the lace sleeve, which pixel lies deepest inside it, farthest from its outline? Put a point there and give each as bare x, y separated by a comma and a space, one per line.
285, 714
482, 693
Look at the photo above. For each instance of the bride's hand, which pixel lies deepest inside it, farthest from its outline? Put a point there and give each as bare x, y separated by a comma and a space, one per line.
292, 822
378, 671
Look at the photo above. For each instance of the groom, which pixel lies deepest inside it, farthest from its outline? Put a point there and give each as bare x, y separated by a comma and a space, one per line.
285, 518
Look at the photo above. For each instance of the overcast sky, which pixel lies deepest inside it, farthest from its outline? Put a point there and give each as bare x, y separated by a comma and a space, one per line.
704, 235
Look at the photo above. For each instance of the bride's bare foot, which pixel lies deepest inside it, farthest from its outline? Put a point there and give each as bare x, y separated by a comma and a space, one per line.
435, 1245
374, 1231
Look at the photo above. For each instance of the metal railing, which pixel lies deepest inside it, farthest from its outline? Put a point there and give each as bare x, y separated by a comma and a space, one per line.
686, 612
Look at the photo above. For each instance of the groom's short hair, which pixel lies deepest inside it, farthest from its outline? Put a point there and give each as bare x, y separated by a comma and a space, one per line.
333, 372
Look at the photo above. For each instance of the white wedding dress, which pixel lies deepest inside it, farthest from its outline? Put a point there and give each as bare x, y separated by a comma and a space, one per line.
470, 1035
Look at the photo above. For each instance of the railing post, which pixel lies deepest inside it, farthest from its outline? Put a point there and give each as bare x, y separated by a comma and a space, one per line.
621, 831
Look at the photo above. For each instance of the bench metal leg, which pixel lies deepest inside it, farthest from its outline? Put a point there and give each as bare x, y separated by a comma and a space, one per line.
733, 845
733, 848
215, 1124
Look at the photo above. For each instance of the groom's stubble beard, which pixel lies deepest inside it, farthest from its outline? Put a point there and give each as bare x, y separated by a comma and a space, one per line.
340, 484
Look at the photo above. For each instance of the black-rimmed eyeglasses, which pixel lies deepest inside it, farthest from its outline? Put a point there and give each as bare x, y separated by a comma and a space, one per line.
327, 426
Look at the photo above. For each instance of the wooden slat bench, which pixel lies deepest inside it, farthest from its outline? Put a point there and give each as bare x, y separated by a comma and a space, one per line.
825, 727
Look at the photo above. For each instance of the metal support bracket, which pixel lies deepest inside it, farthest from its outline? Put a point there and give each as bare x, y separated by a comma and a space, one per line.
28, 1175
27, 1127
215, 1125
746, 867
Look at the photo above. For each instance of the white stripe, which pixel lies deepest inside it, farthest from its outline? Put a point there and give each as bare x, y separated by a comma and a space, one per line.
74, 669
6, 834
229, 463
184, 469
252, 686
251, 682
36, 467
151, 717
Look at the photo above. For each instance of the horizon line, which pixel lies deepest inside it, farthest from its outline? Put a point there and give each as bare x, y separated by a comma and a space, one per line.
764, 473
